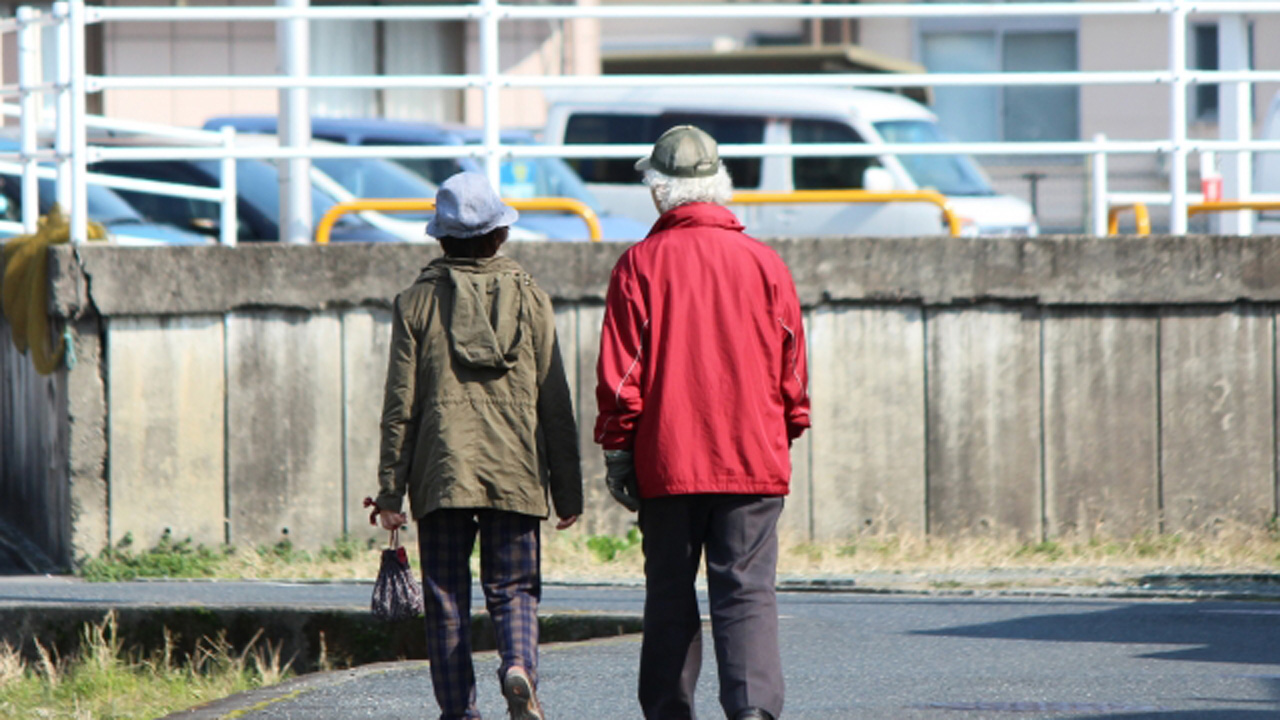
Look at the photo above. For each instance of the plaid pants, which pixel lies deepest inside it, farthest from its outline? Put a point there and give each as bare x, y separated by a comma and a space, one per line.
511, 578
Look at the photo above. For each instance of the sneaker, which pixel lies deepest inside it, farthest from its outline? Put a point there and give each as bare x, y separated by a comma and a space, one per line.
522, 701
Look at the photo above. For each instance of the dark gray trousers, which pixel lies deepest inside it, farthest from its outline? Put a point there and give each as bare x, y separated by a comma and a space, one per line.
739, 534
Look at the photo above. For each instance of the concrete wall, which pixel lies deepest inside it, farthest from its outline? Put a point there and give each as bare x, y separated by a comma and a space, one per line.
1039, 387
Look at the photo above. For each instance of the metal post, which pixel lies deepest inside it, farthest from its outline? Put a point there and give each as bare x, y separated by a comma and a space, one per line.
29, 74
228, 224
1178, 118
1033, 182
79, 139
1235, 110
293, 38
1100, 204
62, 140
490, 68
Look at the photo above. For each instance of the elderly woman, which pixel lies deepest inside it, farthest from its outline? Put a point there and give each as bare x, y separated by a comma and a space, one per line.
477, 426
701, 390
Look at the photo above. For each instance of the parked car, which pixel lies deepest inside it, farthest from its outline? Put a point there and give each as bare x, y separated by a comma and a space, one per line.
124, 224
789, 116
258, 208
520, 178
348, 179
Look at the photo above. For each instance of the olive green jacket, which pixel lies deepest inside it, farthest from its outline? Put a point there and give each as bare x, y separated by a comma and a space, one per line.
477, 412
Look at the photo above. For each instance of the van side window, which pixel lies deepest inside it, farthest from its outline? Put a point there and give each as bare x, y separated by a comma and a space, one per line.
827, 173
623, 129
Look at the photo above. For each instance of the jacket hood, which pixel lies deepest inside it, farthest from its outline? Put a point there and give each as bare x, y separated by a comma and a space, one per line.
488, 306
700, 214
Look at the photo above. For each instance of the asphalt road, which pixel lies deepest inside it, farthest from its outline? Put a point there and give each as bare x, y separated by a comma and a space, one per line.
884, 658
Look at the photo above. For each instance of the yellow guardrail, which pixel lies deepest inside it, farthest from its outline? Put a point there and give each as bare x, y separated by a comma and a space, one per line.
1143, 218
577, 207
1230, 205
1140, 215
758, 197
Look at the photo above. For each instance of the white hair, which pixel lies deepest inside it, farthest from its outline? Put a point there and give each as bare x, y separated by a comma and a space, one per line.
671, 192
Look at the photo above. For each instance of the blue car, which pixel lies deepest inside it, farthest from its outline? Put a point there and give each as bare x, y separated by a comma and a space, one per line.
520, 178
258, 205
124, 224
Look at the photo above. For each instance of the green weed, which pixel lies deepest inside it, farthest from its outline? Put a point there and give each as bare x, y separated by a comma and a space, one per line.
284, 552
1047, 550
606, 548
182, 559
1148, 545
812, 552
346, 548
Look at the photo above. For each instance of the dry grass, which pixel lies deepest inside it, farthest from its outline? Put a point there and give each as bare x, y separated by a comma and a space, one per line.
103, 682
569, 555
574, 555
1228, 547
12, 668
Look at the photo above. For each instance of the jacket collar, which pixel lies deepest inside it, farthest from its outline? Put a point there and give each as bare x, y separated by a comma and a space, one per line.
441, 266
700, 214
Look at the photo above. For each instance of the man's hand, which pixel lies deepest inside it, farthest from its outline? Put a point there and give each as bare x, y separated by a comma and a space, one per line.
620, 477
566, 523
392, 520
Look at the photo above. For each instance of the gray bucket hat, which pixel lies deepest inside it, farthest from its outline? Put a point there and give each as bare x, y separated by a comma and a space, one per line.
684, 151
467, 206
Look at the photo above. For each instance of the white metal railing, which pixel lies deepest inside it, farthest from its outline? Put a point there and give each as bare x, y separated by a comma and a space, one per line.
71, 173
73, 152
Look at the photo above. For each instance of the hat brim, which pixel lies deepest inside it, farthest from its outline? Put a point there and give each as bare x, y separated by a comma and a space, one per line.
435, 228
643, 164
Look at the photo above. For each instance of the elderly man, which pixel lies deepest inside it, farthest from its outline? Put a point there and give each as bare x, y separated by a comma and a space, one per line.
701, 390
477, 424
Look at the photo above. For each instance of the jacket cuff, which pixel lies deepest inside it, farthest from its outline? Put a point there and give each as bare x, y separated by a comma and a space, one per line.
570, 510
795, 429
390, 502
618, 442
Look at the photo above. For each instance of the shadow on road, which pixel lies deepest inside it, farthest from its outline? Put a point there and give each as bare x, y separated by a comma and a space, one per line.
1218, 632
1185, 715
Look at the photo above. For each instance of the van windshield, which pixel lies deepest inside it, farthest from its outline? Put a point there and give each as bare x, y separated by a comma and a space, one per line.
948, 174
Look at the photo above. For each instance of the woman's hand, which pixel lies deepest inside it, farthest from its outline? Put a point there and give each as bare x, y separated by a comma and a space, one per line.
392, 520
566, 523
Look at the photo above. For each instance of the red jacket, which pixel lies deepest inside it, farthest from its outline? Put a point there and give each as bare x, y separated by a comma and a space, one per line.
702, 367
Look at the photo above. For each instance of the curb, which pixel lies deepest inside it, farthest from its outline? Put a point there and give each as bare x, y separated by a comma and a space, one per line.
1258, 587
308, 638
234, 706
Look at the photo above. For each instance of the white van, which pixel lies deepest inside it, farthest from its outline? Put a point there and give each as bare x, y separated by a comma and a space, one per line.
784, 116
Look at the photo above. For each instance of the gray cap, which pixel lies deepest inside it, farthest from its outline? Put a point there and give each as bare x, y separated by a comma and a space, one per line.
684, 151
467, 206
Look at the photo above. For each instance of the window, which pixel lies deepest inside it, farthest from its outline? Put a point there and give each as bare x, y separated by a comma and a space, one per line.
994, 113
827, 173
1047, 112
1203, 55
619, 129
1204, 39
